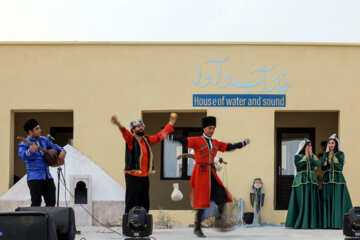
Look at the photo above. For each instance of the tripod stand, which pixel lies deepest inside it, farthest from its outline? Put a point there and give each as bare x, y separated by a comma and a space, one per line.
59, 173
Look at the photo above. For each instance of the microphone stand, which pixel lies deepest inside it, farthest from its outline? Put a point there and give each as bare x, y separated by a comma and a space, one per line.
59, 169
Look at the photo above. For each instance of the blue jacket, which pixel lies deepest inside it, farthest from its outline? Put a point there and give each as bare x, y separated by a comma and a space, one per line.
36, 166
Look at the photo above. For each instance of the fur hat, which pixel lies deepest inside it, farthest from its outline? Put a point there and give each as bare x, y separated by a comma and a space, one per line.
208, 121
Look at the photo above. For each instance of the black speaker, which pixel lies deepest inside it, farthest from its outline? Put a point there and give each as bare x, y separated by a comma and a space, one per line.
147, 231
27, 226
248, 217
346, 226
351, 223
64, 220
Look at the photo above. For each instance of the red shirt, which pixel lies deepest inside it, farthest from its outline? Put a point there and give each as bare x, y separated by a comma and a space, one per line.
128, 137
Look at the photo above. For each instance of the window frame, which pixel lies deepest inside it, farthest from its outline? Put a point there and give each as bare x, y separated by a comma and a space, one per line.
185, 132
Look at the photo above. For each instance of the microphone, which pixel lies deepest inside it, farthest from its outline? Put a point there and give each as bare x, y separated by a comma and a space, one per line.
50, 138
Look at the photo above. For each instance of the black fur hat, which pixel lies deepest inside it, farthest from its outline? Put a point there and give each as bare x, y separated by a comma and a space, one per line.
30, 124
207, 121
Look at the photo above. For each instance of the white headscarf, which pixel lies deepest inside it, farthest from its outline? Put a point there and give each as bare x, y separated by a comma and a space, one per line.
301, 145
333, 137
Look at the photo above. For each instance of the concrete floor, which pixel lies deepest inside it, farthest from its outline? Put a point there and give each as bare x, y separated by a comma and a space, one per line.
179, 233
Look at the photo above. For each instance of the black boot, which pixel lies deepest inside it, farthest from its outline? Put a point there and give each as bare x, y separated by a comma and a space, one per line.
221, 207
221, 222
197, 231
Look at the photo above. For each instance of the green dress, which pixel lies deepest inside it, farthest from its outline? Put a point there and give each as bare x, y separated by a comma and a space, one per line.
304, 206
336, 199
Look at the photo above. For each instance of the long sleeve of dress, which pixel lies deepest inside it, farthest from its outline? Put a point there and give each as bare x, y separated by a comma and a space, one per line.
300, 161
338, 161
314, 160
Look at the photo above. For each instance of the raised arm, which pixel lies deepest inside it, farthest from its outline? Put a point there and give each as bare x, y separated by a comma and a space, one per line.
116, 122
153, 139
168, 129
128, 137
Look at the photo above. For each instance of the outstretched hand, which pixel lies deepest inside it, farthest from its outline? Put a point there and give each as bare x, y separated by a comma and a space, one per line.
173, 117
222, 161
247, 140
115, 121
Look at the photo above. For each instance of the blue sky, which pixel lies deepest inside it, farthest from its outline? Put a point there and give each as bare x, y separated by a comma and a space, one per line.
185, 20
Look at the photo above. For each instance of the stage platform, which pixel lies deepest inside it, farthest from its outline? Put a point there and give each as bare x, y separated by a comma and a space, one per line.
255, 233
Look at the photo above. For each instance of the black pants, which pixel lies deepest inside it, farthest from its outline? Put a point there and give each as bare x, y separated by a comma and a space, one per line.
137, 192
217, 192
44, 188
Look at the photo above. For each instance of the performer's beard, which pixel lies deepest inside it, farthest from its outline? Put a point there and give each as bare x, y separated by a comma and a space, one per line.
140, 133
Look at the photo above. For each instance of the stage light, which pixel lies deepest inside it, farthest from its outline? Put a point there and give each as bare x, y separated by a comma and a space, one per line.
137, 224
137, 218
351, 223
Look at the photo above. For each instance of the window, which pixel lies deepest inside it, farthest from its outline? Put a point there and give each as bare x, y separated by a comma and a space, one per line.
172, 168
80, 193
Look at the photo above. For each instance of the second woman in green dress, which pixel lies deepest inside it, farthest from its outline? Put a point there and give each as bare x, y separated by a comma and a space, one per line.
336, 199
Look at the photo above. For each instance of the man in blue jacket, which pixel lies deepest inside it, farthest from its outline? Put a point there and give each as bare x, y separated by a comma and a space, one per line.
39, 178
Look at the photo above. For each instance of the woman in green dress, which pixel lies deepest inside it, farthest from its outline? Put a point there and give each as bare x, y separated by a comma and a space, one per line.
336, 199
304, 207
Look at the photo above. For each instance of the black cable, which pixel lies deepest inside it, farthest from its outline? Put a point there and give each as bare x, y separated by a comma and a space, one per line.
87, 210
63, 181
